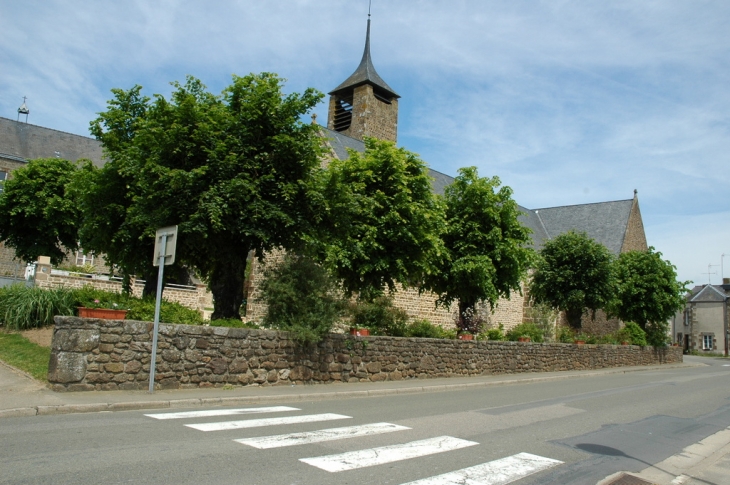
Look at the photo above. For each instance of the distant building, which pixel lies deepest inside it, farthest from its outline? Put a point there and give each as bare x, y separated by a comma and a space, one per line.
703, 324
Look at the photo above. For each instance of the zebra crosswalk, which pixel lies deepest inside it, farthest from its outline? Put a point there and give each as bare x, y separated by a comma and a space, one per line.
498, 472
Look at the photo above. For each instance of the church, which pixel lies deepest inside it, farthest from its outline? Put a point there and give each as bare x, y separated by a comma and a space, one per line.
363, 105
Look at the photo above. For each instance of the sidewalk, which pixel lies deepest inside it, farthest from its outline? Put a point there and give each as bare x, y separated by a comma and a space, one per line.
22, 396
705, 462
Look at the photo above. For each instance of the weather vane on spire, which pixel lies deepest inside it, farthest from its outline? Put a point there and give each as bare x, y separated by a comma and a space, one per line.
370, 3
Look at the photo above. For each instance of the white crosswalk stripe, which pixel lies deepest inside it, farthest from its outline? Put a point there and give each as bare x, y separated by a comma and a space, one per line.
497, 472
257, 423
387, 454
221, 412
321, 435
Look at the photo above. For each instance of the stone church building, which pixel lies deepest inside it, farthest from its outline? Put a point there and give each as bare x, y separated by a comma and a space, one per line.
364, 105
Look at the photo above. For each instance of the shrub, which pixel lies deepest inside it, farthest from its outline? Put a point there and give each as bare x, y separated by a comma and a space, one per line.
565, 335
301, 298
425, 329
633, 334
381, 317
170, 311
24, 307
493, 334
526, 330
544, 317
656, 333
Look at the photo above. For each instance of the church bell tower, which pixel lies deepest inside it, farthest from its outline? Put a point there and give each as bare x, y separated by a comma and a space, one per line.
364, 105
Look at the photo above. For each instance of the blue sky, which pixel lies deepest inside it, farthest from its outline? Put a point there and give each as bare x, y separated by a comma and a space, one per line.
568, 102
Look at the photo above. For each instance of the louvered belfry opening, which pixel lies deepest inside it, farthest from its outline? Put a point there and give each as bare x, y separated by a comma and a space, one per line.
343, 112
383, 96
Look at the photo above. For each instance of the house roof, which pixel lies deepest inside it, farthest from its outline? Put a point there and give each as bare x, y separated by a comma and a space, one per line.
22, 142
708, 294
365, 73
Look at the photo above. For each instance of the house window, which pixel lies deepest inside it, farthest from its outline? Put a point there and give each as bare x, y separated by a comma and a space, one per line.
83, 258
3, 178
686, 318
707, 342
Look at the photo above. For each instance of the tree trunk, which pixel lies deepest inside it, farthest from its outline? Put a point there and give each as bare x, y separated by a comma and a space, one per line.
150, 283
574, 317
226, 284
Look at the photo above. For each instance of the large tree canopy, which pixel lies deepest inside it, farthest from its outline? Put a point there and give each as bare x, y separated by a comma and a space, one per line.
39, 217
487, 255
231, 171
573, 273
381, 222
647, 292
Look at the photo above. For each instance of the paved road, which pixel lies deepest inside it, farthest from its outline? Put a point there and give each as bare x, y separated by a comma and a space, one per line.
573, 431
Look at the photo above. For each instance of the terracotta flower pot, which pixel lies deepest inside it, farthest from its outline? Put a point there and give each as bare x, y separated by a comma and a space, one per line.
360, 332
523, 339
466, 336
580, 342
624, 343
105, 313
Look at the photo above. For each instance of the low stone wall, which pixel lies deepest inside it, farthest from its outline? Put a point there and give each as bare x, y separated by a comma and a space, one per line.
91, 354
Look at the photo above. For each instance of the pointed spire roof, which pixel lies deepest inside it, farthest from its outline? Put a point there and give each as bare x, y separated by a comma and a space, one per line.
365, 73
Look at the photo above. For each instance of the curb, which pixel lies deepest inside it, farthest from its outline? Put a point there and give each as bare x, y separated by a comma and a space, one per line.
242, 400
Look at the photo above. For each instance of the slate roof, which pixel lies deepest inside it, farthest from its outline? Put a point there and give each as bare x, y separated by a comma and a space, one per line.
605, 222
22, 142
365, 73
708, 293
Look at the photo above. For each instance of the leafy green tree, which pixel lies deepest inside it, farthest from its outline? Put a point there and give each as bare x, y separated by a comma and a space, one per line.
647, 292
39, 216
381, 222
486, 245
573, 273
231, 171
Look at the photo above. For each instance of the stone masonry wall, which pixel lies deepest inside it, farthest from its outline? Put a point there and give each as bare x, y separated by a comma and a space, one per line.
92, 354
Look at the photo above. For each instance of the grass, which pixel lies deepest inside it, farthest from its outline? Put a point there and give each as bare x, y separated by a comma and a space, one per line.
23, 354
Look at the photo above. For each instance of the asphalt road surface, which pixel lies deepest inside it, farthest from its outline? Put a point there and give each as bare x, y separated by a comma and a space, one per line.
573, 431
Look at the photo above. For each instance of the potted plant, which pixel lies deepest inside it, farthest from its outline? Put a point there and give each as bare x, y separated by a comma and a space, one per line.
102, 309
465, 336
523, 338
580, 338
359, 331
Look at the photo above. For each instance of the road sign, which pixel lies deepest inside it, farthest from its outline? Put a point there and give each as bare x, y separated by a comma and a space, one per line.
165, 241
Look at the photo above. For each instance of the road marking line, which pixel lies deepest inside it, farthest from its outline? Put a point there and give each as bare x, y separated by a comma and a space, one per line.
387, 454
257, 423
319, 436
221, 412
497, 472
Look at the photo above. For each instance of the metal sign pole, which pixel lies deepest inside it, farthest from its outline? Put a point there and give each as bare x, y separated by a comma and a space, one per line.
160, 274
